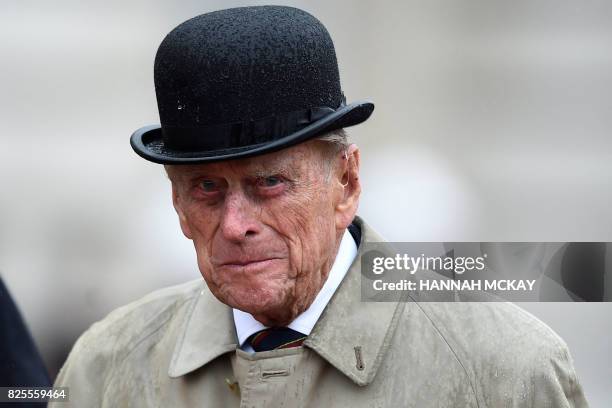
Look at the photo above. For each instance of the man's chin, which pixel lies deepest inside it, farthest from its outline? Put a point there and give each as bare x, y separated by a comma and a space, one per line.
261, 309
255, 301
270, 313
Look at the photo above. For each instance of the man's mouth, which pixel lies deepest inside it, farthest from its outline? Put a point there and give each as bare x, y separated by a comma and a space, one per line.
251, 264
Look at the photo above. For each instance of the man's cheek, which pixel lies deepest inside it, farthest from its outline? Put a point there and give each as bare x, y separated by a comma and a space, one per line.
201, 230
203, 259
299, 215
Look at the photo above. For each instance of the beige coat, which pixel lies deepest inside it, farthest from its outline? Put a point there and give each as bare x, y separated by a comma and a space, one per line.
177, 348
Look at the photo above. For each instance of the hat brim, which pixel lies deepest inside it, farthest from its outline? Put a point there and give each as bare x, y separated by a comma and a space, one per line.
148, 142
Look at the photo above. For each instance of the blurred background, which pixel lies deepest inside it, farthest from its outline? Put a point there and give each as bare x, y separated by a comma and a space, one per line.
492, 123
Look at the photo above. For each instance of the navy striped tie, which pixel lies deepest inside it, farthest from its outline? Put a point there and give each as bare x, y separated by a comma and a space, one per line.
276, 338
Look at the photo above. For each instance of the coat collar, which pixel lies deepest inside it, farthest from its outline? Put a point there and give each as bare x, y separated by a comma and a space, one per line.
207, 332
351, 335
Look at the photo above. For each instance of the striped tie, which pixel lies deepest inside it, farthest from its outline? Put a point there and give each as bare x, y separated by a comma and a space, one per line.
276, 338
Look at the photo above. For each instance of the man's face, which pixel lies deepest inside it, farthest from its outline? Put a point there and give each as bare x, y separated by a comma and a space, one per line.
266, 229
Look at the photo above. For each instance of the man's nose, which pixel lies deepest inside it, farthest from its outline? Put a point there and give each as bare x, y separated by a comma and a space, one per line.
240, 218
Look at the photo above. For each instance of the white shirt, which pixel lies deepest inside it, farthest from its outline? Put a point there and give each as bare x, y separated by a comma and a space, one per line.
246, 325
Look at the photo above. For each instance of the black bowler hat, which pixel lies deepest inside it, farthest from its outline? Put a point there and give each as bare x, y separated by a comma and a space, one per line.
242, 82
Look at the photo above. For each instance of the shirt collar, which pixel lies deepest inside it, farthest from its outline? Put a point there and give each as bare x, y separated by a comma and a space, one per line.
346, 325
246, 325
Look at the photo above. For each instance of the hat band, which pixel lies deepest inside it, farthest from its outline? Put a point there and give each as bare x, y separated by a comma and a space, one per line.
241, 134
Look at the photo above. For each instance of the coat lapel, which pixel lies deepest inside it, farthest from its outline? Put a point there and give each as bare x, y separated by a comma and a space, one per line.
352, 335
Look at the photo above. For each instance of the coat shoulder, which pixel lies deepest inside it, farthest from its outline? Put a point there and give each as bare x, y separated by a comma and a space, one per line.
508, 353
130, 324
488, 329
107, 343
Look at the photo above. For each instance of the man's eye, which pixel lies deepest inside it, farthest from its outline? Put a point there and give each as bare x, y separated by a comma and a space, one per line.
209, 186
270, 181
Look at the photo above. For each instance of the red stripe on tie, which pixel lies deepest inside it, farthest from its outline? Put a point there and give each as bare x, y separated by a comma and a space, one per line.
294, 343
259, 337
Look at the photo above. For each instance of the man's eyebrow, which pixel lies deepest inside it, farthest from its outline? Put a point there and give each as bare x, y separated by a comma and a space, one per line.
257, 170
281, 168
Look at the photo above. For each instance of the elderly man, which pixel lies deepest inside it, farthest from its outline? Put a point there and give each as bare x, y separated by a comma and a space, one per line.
266, 186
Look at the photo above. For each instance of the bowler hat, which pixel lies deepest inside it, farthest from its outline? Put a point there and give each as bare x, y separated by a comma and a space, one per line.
242, 82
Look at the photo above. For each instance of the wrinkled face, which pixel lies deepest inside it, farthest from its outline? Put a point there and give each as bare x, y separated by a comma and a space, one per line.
266, 229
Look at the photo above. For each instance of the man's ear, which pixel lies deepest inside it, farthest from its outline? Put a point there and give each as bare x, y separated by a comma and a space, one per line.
176, 202
348, 180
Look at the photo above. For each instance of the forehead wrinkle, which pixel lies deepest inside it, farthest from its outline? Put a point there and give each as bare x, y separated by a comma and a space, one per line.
284, 162
199, 170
